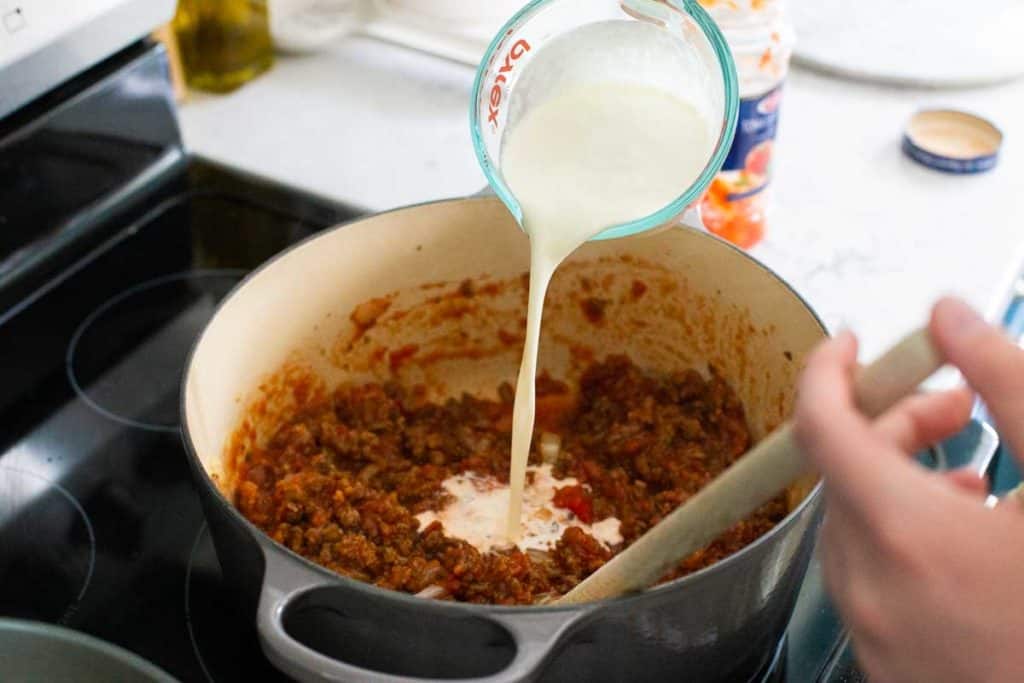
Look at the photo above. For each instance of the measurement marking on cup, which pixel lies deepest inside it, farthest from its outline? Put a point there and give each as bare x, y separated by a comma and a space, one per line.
518, 49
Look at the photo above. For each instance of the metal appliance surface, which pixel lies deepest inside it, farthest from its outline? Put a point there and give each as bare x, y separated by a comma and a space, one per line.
115, 247
43, 43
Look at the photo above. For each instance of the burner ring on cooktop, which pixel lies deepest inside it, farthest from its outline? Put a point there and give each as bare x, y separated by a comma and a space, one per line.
127, 357
224, 642
188, 603
36, 543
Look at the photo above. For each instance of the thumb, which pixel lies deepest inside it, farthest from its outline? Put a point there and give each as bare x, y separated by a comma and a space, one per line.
991, 364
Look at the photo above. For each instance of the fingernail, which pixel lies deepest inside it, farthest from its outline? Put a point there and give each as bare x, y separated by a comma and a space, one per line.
844, 338
962, 317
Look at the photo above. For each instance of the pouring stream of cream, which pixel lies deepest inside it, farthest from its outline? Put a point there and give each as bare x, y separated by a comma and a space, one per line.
591, 157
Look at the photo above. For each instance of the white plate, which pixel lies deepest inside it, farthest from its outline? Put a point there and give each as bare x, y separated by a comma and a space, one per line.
933, 43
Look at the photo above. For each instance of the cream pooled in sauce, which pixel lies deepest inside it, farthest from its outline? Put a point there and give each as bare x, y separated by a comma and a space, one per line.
477, 515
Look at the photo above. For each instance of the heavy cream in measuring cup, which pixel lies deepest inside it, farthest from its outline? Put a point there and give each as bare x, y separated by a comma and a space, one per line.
596, 154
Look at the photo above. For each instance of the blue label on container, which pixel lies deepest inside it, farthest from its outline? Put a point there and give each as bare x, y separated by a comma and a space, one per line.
750, 157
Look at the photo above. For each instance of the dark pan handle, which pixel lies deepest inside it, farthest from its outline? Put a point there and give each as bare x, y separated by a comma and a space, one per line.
287, 585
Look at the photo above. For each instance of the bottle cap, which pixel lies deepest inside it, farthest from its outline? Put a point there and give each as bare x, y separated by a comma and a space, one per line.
952, 141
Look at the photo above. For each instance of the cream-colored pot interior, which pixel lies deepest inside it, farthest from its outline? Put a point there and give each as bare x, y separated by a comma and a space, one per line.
672, 299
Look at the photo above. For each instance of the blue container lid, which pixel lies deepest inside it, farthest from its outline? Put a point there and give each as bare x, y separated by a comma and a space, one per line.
952, 141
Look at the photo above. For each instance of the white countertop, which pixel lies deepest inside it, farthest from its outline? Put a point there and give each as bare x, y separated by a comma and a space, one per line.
867, 236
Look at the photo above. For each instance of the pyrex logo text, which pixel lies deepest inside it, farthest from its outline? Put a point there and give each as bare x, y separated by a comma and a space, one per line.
520, 48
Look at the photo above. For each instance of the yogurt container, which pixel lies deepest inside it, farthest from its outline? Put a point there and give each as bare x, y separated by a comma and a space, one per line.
761, 40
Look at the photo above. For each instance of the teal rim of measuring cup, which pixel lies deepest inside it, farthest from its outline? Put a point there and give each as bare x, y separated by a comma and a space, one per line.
680, 203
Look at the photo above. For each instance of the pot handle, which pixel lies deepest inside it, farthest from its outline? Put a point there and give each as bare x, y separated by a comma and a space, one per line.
536, 636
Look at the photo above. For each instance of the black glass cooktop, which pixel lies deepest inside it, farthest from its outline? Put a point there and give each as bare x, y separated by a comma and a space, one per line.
99, 525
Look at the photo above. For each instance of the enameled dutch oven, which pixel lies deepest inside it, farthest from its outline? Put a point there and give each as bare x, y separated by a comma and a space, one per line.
703, 302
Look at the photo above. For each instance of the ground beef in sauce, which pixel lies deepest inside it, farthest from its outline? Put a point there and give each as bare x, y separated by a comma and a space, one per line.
341, 483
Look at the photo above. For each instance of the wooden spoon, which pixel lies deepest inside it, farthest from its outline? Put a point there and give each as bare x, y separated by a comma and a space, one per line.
766, 471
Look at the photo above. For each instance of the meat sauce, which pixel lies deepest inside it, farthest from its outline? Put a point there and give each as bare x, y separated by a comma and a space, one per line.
342, 483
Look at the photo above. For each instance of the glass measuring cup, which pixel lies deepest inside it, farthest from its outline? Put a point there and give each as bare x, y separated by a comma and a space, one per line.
706, 79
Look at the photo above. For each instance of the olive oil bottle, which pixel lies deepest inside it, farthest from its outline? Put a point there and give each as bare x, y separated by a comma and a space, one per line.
223, 43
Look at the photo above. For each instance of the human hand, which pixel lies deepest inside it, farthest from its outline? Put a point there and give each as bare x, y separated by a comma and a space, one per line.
930, 582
